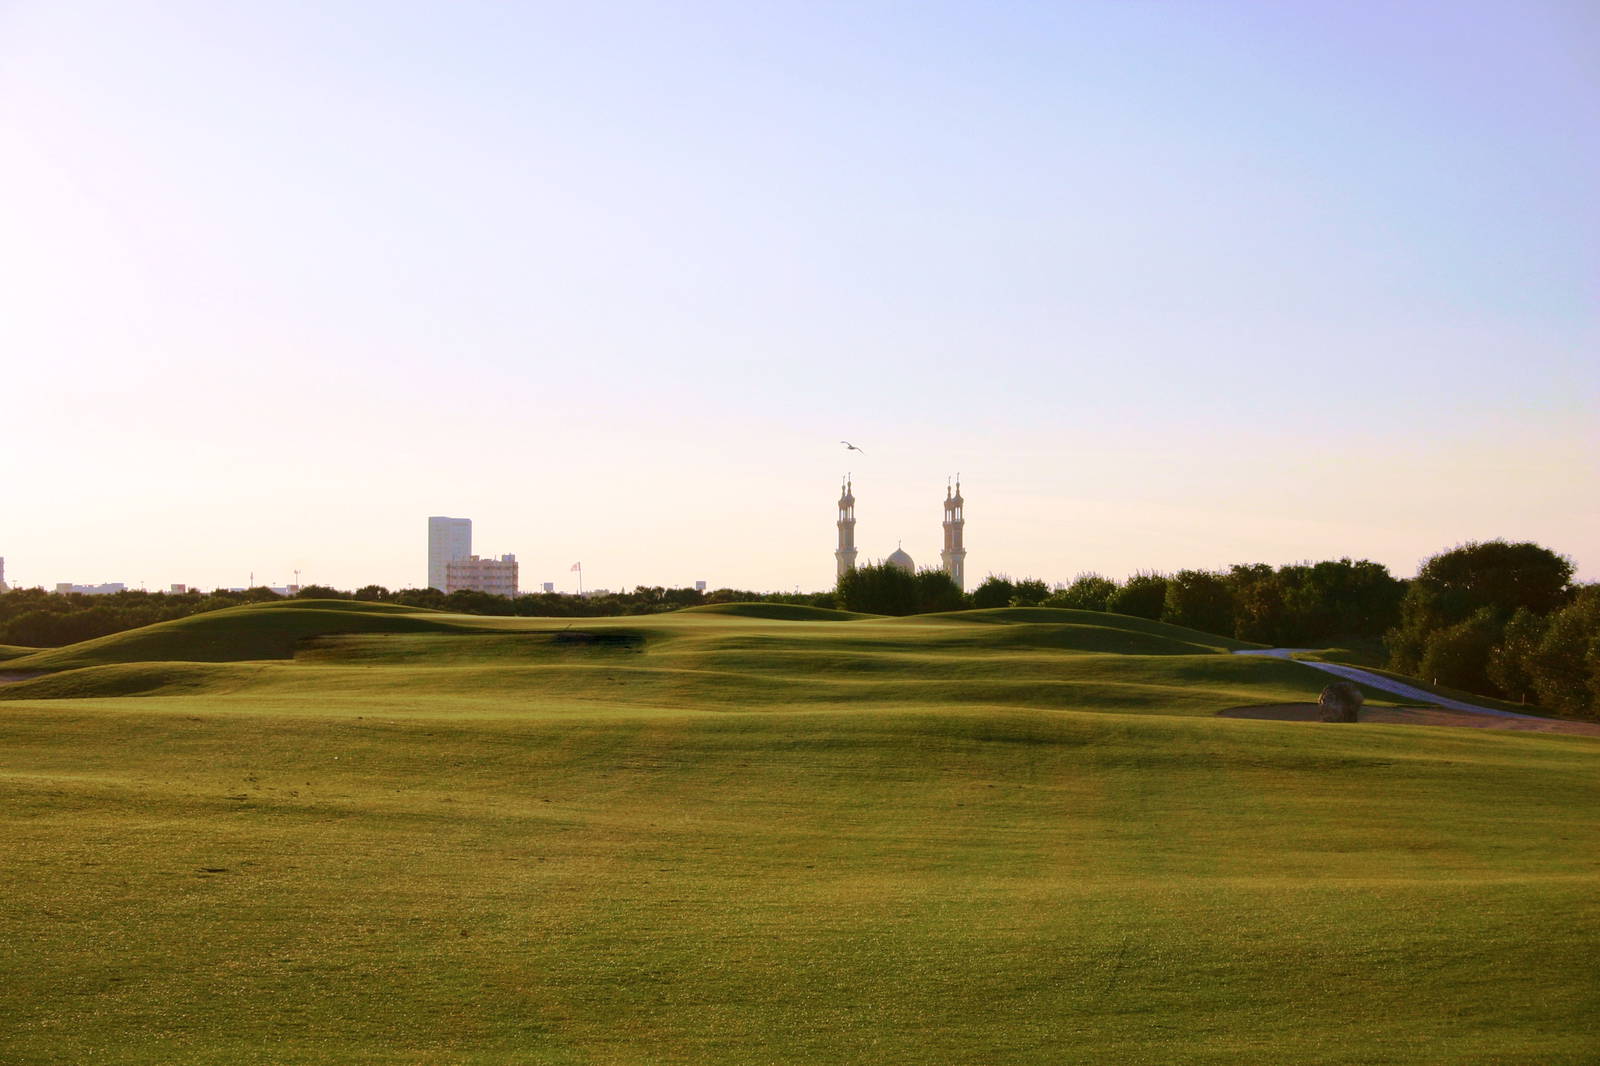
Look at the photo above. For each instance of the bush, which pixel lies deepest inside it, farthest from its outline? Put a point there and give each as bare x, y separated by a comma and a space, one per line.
937, 591
880, 588
1512, 662
1200, 600
1029, 592
1142, 596
996, 591
1458, 655
1088, 592
1566, 668
1259, 611
1456, 586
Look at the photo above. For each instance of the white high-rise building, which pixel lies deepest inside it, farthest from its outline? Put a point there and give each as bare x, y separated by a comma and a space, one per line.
449, 540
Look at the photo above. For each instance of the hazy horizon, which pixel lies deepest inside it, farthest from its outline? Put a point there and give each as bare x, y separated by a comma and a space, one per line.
1169, 285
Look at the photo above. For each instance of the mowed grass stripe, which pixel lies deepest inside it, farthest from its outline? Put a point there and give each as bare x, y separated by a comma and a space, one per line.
737, 889
495, 847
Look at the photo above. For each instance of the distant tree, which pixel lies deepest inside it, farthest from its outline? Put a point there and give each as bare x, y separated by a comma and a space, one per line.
1199, 599
1499, 575
1259, 611
372, 593
995, 591
676, 599
428, 597
879, 588
471, 601
1029, 592
320, 592
936, 591
1566, 667
1143, 596
33, 628
1360, 597
1458, 655
1453, 585
1512, 662
1088, 592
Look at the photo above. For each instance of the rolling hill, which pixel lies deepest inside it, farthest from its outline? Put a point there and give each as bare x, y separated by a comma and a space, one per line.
321, 832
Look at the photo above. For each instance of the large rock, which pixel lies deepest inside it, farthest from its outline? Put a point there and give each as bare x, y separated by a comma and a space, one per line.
1340, 702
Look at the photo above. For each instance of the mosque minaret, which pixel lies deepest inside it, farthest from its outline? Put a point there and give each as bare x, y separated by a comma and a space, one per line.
953, 556
845, 555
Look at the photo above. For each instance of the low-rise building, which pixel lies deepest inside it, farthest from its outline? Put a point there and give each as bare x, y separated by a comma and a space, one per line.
64, 588
497, 577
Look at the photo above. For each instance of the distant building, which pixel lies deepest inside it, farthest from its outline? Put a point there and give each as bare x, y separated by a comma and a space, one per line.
178, 590
64, 588
699, 586
495, 576
449, 540
3, 585
953, 557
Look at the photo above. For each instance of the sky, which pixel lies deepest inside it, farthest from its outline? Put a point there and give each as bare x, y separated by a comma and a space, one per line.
1169, 285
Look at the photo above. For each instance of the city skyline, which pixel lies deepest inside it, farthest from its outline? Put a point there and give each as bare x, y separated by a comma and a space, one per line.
1171, 286
457, 533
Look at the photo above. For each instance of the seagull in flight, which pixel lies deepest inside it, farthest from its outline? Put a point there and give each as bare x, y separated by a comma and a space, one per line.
851, 447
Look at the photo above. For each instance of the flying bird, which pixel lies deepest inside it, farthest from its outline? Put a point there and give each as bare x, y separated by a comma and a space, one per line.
851, 447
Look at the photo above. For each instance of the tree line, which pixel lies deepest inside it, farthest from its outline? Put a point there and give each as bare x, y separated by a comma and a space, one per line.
1283, 605
1493, 618
36, 618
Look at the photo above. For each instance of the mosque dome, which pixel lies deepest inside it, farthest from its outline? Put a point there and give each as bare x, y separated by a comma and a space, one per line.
899, 558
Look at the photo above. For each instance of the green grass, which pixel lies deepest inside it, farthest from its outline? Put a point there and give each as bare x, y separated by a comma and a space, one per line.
712, 837
787, 612
1366, 652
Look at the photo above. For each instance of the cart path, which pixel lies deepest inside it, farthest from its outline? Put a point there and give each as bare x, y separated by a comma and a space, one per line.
1389, 684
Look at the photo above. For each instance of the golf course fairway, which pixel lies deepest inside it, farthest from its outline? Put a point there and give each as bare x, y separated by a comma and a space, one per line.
337, 832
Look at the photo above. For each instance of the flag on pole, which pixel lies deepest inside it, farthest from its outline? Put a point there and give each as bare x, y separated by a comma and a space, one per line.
577, 566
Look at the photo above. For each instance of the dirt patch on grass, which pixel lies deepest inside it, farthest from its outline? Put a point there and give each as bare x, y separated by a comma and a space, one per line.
1310, 712
11, 677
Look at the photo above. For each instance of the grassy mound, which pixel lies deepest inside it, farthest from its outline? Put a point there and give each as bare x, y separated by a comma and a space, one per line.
390, 836
785, 612
1036, 616
133, 679
15, 651
255, 631
687, 662
356, 606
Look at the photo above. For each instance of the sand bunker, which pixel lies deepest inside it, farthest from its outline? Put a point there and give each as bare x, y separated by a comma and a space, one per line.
1310, 712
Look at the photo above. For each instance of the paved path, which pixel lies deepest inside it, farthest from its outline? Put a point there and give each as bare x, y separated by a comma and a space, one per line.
1388, 684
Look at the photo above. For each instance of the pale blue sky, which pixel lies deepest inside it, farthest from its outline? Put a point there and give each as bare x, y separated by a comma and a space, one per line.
1172, 284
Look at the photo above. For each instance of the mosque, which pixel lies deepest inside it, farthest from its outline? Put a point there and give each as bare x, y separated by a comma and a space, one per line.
953, 557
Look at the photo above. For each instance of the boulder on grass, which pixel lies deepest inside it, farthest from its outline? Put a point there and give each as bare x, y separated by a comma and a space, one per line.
1340, 702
